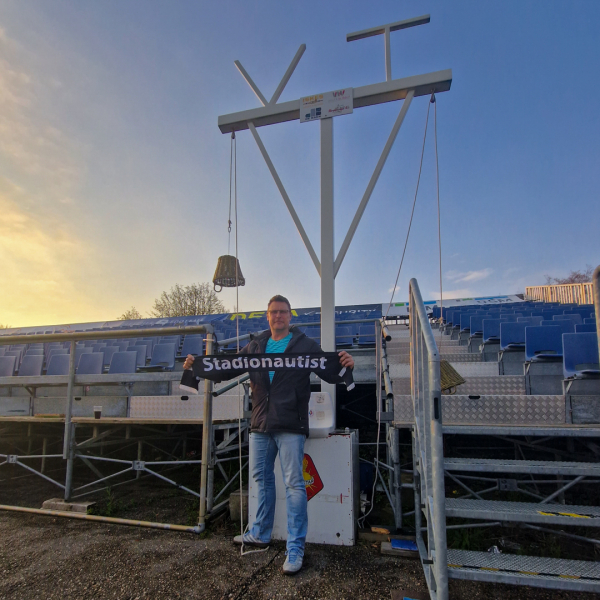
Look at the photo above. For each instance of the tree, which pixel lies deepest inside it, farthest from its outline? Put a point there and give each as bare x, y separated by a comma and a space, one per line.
5, 326
128, 315
573, 277
195, 299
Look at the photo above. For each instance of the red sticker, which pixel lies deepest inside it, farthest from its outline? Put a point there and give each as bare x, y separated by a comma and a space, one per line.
312, 481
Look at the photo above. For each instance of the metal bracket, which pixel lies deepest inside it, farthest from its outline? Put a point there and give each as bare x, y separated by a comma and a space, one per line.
508, 485
385, 417
12, 459
139, 465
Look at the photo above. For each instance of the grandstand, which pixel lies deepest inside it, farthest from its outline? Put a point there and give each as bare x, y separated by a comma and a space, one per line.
531, 387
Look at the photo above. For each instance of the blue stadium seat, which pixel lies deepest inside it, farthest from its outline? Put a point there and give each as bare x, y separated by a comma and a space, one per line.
576, 318
491, 330
123, 362
565, 326
140, 352
163, 358
34, 352
58, 365
543, 344
580, 351
108, 354
91, 364
99, 347
32, 365
17, 353
580, 328
2, 350
531, 321
80, 351
512, 336
366, 336
193, 346
7, 366
343, 337
476, 324
590, 320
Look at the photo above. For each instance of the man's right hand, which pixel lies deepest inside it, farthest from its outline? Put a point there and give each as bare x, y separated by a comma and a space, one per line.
189, 361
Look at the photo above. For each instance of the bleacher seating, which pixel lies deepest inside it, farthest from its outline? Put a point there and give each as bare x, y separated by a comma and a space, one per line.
543, 343
58, 365
580, 351
585, 328
108, 354
91, 364
7, 366
576, 318
163, 358
123, 362
566, 326
32, 365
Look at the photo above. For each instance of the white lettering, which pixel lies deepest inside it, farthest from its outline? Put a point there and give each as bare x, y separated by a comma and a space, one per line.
267, 362
254, 363
207, 364
290, 362
217, 366
225, 365
314, 363
278, 362
237, 363
323, 361
300, 363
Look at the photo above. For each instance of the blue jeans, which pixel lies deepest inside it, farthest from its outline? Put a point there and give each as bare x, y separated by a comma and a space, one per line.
263, 450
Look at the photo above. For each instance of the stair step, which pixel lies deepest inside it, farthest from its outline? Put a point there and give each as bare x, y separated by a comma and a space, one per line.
558, 430
554, 573
537, 467
523, 512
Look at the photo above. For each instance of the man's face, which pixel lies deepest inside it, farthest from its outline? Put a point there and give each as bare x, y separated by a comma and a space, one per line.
279, 317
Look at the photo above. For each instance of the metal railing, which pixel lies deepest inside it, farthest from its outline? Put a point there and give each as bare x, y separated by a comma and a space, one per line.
568, 293
428, 452
69, 445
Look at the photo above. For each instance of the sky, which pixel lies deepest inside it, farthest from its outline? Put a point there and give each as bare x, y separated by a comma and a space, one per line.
114, 177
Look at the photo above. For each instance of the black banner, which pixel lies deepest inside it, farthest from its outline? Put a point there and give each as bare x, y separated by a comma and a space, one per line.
221, 367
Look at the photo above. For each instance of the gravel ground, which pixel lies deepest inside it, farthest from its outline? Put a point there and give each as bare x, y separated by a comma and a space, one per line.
47, 557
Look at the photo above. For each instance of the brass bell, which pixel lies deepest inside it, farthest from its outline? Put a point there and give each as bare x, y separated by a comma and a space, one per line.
225, 273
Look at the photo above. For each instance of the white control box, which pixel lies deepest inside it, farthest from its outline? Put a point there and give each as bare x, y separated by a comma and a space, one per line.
331, 477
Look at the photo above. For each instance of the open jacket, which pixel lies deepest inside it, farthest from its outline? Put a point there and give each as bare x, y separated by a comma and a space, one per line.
282, 405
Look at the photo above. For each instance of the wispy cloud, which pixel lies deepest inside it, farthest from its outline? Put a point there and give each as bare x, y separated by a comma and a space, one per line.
469, 275
395, 289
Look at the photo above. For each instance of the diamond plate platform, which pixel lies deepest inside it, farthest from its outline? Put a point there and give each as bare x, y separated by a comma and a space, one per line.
490, 410
556, 573
523, 512
504, 385
537, 467
466, 369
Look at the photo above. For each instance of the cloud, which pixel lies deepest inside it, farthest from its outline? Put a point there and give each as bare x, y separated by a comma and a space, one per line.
395, 289
469, 275
41, 155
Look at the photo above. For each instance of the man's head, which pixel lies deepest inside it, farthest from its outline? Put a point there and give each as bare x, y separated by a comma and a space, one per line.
279, 315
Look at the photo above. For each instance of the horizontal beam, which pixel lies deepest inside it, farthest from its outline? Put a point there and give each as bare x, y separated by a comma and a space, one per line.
367, 95
365, 33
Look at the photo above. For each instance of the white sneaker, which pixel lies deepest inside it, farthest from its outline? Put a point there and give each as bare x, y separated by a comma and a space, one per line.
250, 540
293, 562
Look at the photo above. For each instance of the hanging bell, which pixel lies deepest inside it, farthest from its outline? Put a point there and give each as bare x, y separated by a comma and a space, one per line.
228, 267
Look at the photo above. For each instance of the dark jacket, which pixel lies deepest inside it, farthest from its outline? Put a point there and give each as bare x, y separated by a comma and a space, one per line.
283, 404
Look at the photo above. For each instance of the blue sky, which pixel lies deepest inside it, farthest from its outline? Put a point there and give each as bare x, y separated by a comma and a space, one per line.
114, 177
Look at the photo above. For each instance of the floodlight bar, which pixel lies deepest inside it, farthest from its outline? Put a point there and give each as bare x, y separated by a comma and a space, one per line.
367, 95
380, 29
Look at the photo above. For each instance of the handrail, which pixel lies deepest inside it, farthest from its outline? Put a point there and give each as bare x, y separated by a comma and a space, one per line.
428, 450
596, 285
564, 293
103, 335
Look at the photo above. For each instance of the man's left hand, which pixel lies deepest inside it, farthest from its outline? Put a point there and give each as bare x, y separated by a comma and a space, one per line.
346, 359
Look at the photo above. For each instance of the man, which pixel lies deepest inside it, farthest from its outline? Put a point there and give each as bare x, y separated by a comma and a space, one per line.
279, 425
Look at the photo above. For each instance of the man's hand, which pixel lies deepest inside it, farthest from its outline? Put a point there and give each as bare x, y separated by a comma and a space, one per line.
189, 361
346, 360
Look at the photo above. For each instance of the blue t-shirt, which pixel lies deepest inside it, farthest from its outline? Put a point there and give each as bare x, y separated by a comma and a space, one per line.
277, 347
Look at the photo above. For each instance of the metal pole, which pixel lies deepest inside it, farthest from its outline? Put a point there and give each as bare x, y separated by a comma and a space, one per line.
596, 290
327, 249
206, 439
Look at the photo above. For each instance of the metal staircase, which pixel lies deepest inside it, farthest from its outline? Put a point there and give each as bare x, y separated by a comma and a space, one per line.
510, 416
